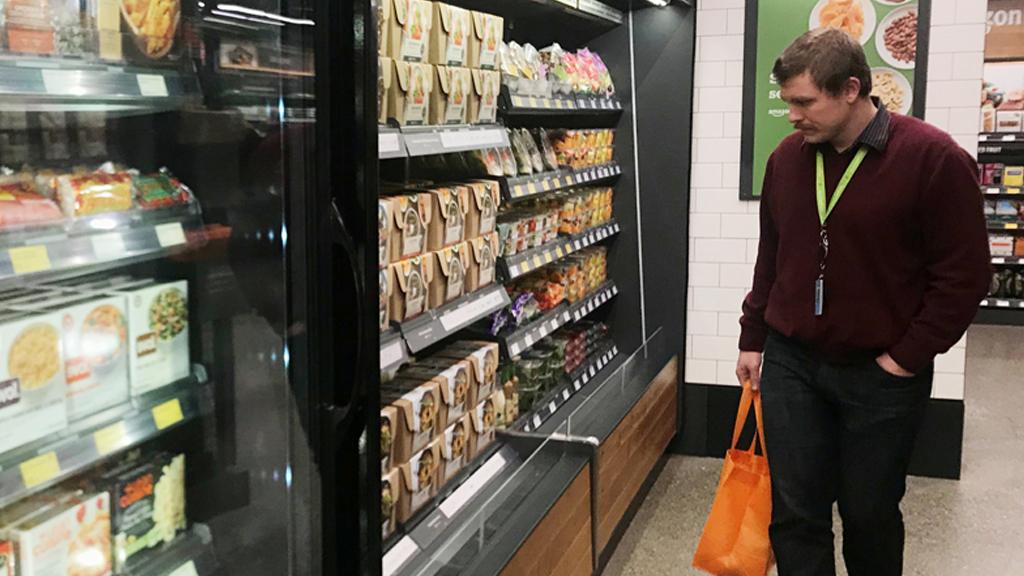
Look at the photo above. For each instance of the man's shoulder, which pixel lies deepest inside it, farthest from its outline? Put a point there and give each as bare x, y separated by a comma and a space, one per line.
790, 146
918, 134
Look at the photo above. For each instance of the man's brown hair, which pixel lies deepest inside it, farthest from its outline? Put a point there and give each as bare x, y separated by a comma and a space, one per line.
830, 56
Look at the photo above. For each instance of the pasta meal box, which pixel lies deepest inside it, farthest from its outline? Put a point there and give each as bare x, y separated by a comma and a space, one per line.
388, 426
32, 396
483, 357
411, 87
418, 405
453, 383
483, 103
157, 335
488, 32
449, 35
449, 274
390, 497
409, 25
412, 214
411, 283
484, 420
71, 538
483, 256
419, 479
448, 207
484, 201
449, 100
454, 448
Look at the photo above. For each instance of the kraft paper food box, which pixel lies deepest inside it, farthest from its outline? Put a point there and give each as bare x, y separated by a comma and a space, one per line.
454, 383
385, 225
412, 213
73, 538
384, 296
452, 369
454, 448
419, 479
483, 105
411, 280
449, 101
484, 421
385, 76
157, 335
390, 498
448, 207
449, 275
488, 32
483, 356
411, 88
409, 30
389, 421
484, 201
148, 505
483, 256
32, 396
384, 9
450, 31
417, 409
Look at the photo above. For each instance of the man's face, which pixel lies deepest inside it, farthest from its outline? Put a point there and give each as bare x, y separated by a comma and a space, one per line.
818, 115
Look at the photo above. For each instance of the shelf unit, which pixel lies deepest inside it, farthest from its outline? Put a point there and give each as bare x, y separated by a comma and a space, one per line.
564, 392
531, 186
568, 107
1000, 190
523, 263
1008, 260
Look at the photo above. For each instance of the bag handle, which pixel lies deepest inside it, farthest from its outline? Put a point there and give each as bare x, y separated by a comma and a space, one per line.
749, 397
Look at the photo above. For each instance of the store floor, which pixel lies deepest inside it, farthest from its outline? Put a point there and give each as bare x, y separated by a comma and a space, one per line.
954, 528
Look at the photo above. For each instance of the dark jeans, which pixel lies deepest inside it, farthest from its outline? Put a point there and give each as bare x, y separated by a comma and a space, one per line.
837, 432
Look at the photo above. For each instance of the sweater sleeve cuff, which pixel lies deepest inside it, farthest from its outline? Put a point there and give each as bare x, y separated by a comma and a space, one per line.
752, 338
910, 357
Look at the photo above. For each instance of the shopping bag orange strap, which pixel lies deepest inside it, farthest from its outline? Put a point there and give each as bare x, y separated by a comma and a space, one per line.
749, 397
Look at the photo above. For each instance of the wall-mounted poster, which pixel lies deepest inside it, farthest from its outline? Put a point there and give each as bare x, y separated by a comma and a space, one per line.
1004, 36
890, 32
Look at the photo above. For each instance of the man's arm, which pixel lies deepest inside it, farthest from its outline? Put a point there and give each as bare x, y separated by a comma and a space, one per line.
958, 261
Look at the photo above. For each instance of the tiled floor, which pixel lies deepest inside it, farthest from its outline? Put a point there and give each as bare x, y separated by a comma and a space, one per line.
974, 526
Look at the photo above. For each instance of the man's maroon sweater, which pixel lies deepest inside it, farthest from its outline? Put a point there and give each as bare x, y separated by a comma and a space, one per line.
908, 258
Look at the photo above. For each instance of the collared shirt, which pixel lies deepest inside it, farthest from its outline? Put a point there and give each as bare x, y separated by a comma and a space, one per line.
908, 256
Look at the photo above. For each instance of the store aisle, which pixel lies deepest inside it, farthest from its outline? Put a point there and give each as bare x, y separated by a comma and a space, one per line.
954, 528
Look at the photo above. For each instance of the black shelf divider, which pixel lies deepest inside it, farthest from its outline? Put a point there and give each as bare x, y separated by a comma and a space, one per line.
435, 325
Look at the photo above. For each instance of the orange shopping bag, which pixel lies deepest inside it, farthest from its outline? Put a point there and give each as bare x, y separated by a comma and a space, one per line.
735, 540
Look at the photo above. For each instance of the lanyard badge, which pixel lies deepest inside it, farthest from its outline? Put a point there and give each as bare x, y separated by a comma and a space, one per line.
824, 211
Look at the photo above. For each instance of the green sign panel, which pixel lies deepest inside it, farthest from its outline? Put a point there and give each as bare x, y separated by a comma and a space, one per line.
888, 31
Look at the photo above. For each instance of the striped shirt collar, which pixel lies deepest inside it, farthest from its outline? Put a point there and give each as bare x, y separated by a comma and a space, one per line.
875, 134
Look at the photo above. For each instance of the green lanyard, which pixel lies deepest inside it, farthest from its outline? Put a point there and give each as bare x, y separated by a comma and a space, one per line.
823, 213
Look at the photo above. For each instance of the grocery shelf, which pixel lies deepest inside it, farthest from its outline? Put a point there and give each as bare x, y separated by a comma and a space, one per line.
189, 554
1000, 191
393, 352
515, 104
996, 144
526, 336
390, 143
1008, 260
55, 84
1004, 226
429, 140
519, 264
549, 406
1000, 316
1013, 303
97, 241
521, 187
594, 300
435, 325
84, 444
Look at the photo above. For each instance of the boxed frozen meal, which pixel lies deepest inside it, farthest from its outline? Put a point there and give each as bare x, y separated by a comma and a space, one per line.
483, 102
419, 480
32, 396
140, 31
385, 75
484, 200
449, 274
72, 538
409, 30
94, 193
483, 357
483, 257
409, 100
411, 280
484, 419
454, 448
412, 215
417, 405
148, 505
390, 496
449, 35
484, 42
449, 101
388, 426
453, 381
384, 291
157, 335
448, 207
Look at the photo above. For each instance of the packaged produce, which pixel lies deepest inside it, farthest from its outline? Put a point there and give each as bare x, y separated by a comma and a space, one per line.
390, 498
411, 88
483, 257
1006, 210
508, 162
21, 206
449, 274
385, 76
410, 28
157, 335
488, 32
148, 505
139, 31
95, 193
483, 104
522, 152
412, 214
72, 538
419, 480
450, 97
388, 426
447, 225
384, 290
454, 448
484, 421
510, 390
32, 394
449, 35
159, 191
412, 279
418, 404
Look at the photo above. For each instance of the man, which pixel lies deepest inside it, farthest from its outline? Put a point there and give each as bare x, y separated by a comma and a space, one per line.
872, 260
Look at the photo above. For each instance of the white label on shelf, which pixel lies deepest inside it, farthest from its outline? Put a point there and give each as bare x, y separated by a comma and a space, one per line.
108, 246
470, 138
566, 394
565, 317
391, 353
514, 349
186, 569
590, 307
552, 407
578, 245
586, 377
1002, 304
388, 143
63, 83
592, 371
993, 191
529, 341
570, 3
399, 554
576, 384
544, 331
152, 85
999, 260
536, 421
472, 485
472, 311
171, 234
1009, 138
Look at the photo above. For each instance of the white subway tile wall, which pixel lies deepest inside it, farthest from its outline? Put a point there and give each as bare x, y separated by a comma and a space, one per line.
723, 230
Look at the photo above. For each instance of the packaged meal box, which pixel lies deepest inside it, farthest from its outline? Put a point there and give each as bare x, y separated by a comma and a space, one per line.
455, 448
385, 75
384, 227
417, 404
484, 42
484, 201
139, 31
484, 421
1013, 176
409, 100
94, 193
384, 9
157, 335
456, 372
483, 357
453, 382
390, 496
483, 103
449, 35
388, 426
449, 100
449, 274
483, 257
384, 291
448, 207
6, 558
411, 280
21, 206
419, 480
71, 539
412, 215
148, 505
409, 34
32, 399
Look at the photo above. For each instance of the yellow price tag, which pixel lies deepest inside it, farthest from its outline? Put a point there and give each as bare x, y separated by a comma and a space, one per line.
109, 439
537, 261
1012, 226
29, 259
1013, 190
545, 184
40, 469
559, 252
531, 187
6, 196
548, 258
167, 414
558, 182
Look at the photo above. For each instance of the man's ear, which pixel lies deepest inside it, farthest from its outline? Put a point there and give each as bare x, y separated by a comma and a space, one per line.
851, 91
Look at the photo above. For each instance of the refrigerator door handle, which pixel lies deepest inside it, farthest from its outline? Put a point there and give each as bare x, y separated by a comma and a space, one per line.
343, 239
